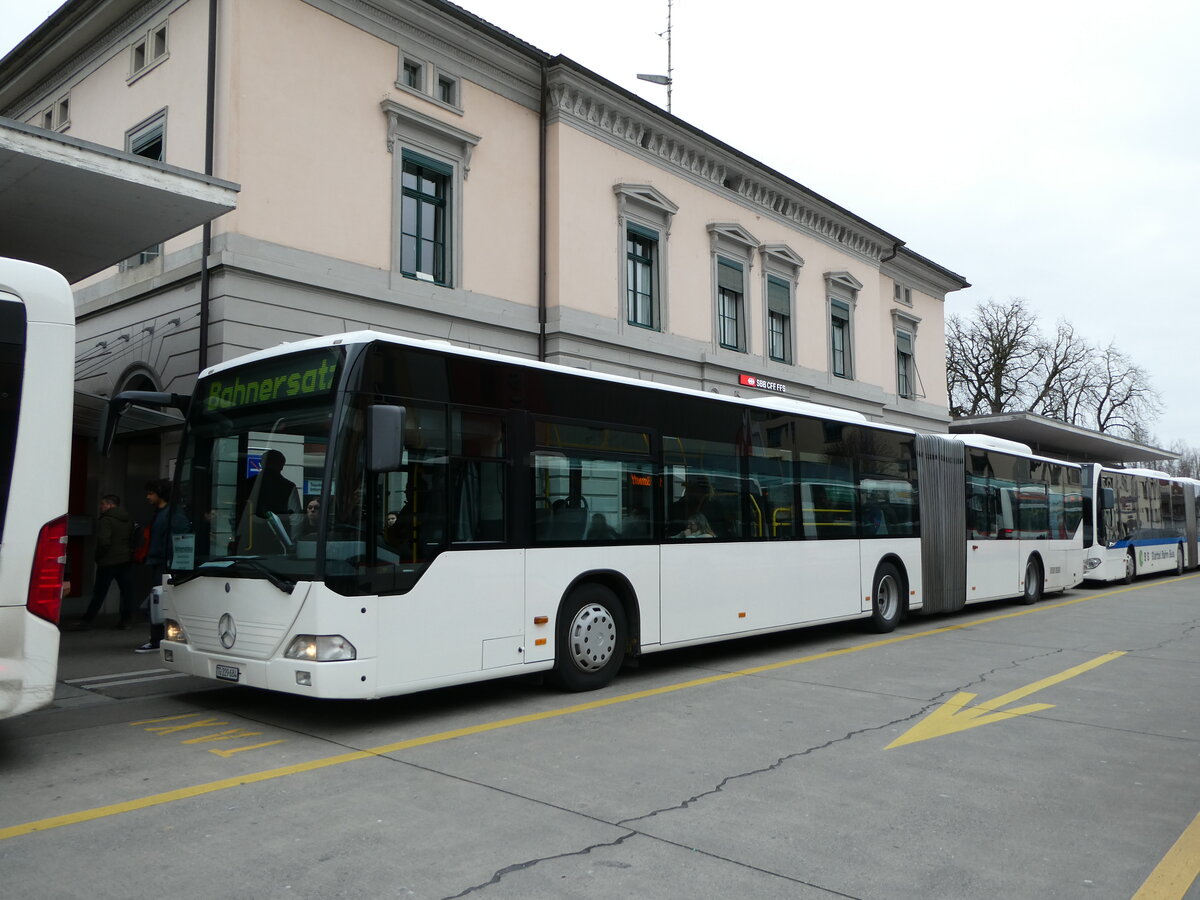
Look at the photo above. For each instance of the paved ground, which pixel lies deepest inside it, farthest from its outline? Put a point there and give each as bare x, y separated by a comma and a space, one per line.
1018, 752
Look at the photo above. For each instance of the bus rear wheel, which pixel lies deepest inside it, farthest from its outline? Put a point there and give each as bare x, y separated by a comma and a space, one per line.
590, 644
1033, 582
887, 599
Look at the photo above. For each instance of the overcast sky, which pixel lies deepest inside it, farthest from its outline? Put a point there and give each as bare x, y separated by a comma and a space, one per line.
1043, 150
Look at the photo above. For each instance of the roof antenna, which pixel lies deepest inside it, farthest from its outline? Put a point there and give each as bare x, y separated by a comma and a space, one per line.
664, 79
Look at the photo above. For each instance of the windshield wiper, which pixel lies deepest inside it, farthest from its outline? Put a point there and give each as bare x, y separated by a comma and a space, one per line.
216, 566
253, 561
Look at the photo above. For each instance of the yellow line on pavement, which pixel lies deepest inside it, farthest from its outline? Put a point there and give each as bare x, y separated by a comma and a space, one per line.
1172, 877
114, 809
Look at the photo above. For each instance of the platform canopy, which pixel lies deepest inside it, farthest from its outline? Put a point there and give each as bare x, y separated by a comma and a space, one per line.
80, 207
1050, 437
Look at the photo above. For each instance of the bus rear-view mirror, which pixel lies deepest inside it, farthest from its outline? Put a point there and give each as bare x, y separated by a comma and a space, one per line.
385, 438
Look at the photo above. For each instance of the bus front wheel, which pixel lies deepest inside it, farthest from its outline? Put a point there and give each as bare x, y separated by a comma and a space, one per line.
1130, 568
590, 644
1033, 582
887, 599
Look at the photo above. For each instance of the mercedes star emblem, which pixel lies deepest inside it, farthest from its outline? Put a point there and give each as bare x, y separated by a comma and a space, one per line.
227, 631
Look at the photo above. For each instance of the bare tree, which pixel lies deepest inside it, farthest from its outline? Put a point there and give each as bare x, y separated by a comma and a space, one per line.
1065, 380
990, 356
998, 360
1188, 464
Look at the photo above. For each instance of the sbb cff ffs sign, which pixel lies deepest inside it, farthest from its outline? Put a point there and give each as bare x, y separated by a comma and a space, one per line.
762, 384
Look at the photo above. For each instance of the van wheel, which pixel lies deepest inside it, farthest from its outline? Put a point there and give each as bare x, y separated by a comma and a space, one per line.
590, 641
1130, 568
1033, 582
887, 599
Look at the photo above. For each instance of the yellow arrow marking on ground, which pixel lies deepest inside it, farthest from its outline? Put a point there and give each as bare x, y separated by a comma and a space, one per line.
954, 715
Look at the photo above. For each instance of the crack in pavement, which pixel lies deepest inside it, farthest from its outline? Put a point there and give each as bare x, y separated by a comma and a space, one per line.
530, 863
937, 700
1188, 628
525, 865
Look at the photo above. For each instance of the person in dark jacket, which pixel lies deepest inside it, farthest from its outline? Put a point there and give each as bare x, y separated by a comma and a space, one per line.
158, 495
114, 532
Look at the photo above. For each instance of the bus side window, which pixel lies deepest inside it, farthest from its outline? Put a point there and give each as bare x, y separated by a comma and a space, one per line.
560, 509
478, 495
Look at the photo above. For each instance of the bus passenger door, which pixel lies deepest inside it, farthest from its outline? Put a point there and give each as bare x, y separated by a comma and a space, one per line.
992, 547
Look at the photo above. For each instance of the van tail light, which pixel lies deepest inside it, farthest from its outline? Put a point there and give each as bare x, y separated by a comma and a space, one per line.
46, 580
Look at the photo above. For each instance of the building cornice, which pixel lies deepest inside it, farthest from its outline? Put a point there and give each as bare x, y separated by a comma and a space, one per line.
915, 271
580, 101
75, 40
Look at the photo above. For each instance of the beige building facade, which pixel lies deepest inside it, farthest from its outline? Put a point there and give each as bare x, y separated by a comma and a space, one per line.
408, 167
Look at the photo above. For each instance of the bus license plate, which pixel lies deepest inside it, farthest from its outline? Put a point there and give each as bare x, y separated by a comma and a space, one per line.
228, 673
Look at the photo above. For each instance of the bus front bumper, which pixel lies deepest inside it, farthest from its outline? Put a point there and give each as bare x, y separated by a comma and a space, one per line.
345, 680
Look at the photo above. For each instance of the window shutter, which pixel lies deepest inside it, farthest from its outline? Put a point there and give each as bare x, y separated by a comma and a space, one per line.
779, 298
729, 276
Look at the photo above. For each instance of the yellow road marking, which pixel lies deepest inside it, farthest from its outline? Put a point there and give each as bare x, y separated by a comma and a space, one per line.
228, 753
954, 715
231, 734
100, 812
1173, 876
163, 730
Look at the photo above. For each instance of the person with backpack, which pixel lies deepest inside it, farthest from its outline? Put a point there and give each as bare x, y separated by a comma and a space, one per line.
114, 530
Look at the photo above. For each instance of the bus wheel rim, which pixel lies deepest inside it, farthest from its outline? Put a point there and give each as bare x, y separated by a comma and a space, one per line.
593, 637
887, 596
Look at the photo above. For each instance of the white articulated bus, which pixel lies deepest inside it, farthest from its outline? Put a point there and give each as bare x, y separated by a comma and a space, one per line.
37, 353
1023, 521
369, 515
1139, 521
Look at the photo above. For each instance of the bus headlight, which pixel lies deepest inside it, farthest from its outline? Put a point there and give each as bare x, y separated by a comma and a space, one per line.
174, 632
1090, 563
321, 648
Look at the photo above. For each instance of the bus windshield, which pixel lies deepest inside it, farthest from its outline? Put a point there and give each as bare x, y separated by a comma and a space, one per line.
251, 470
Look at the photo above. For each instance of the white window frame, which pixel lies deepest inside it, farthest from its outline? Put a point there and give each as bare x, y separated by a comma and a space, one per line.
731, 241
649, 209
906, 323
445, 80
782, 262
841, 287
145, 40
139, 132
51, 117
727, 295
430, 79
419, 68
902, 293
426, 136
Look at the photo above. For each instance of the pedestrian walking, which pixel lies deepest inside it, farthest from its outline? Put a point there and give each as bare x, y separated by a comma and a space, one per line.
114, 555
158, 495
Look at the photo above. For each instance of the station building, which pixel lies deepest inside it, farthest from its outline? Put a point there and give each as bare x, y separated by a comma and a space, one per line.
406, 166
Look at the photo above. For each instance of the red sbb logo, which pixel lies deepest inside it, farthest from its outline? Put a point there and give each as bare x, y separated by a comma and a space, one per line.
762, 384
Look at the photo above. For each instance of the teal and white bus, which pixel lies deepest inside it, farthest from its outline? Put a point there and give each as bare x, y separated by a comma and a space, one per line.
1139, 521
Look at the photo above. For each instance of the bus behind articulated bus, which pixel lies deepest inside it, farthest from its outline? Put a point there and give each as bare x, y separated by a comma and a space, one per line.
1139, 521
37, 352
